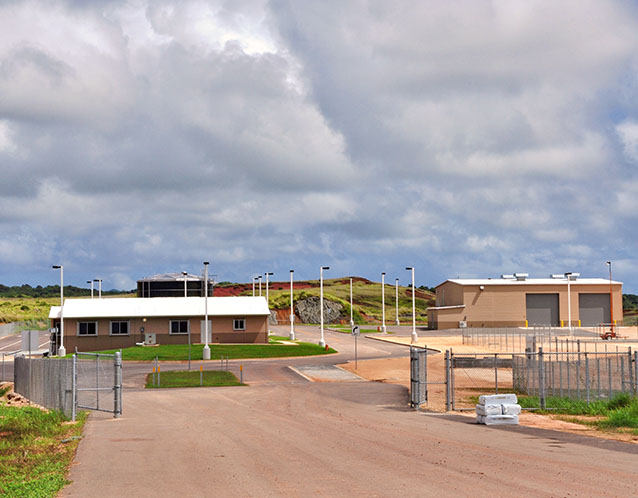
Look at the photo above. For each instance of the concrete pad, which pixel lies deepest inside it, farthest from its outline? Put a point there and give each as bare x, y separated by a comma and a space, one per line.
325, 373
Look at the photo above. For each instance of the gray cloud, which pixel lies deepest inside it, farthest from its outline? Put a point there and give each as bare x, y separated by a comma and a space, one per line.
467, 140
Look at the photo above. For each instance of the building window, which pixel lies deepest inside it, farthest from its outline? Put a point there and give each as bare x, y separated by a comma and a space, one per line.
179, 327
87, 328
239, 324
119, 328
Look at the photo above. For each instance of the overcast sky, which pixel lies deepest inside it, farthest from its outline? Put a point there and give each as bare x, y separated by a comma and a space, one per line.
465, 138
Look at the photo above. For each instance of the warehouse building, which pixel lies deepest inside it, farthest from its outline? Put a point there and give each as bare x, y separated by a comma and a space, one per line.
113, 323
519, 301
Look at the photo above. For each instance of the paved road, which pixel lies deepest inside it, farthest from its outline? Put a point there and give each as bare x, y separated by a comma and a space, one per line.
284, 436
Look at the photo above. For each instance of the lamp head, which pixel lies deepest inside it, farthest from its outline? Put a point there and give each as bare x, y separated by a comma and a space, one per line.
56, 267
409, 268
325, 267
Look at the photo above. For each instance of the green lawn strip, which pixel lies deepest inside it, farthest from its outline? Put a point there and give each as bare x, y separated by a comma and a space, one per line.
620, 412
348, 330
179, 352
34, 460
210, 378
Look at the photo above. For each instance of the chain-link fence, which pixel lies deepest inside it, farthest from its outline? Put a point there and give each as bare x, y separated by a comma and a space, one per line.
515, 340
98, 382
578, 375
88, 381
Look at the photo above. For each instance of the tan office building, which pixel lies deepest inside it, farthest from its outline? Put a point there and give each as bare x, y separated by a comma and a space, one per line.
521, 301
113, 323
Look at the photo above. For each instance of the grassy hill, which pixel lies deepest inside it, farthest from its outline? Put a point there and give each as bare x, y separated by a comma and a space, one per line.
366, 298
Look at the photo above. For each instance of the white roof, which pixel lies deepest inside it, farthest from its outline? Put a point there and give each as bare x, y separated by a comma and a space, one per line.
161, 307
530, 281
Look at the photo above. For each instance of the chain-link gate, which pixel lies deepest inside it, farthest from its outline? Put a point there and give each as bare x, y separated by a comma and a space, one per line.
418, 376
97, 382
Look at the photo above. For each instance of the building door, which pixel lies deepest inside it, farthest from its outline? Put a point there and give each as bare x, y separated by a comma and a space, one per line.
203, 331
542, 309
593, 309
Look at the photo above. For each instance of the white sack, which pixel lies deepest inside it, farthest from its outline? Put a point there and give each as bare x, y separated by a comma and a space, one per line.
497, 419
511, 409
498, 399
489, 410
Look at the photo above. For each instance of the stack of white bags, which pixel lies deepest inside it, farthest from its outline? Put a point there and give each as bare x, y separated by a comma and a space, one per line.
498, 409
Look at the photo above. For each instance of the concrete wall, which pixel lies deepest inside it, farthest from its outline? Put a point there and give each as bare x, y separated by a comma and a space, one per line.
222, 332
505, 305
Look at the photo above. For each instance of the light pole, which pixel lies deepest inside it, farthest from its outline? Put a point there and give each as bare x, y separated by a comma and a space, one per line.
206, 352
185, 280
568, 276
383, 302
351, 320
611, 299
322, 343
61, 349
253, 286
396, 295
90, 282
415, 338
99, 293
292, 310
259, 278
267, 299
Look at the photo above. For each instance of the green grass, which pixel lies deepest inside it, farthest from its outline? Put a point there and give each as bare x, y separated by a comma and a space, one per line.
348, 330
619, 412
179, 352
366, 299
34, 460
210, 378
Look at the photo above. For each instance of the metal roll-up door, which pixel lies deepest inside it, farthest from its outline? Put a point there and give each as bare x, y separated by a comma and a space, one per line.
593, 309
542, 309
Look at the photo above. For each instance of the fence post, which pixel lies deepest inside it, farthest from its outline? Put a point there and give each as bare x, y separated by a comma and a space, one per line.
587, 376
117, 388
541, 379
495, 373
631, 372
622, 374
74, 388
97, 382
447, 380
636, 373
452, 379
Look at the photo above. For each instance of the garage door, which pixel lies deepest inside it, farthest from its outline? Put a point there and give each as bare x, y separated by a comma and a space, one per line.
542, 309
593, 309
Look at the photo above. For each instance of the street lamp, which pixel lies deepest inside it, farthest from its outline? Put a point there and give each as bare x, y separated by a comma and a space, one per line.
351, 320
322, 343
90, 282
185, 280
568, 276
415, 338
259, 278
396, 294
254, 285
206, 352
99, 294
383, 302
267, 301
292, 310
61, 349
611, 299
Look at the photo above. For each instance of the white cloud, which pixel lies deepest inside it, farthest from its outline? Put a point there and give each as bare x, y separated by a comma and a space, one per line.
469, 139
628, 134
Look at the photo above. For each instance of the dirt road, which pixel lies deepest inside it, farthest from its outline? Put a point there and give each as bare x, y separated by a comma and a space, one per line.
330, 439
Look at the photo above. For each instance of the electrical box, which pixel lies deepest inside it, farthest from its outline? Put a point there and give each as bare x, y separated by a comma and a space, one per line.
462, 324
150, 339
